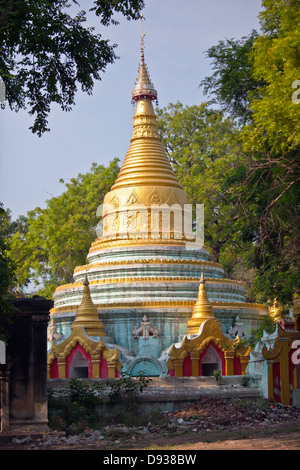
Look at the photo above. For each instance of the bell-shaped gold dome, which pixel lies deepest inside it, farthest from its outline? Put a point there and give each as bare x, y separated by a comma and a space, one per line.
146, 162
202, 310
87, 314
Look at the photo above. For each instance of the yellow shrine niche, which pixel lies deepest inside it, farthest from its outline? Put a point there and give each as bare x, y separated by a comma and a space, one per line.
80, 355
283, 357
189, 357
99, 360
205, 347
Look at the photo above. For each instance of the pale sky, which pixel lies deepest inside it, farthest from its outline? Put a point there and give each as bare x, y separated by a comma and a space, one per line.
99, 127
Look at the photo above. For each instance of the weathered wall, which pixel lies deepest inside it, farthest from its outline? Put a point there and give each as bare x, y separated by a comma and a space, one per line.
27, 363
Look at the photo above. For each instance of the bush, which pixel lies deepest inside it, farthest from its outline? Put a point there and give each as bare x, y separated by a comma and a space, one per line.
217, 375
245, 381
75, 408
267, 324
126, 387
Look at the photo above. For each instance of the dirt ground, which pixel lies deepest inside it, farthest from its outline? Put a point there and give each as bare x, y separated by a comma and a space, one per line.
278, 437
274, 439
209, 424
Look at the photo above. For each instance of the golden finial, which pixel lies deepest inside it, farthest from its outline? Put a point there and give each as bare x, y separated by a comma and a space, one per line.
202, 310
87, 313
143, 34
144, 88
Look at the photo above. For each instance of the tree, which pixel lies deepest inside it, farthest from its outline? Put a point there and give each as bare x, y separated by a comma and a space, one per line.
265, 190
203, 146
6, 274
273, 142
232, 84
268, 222
276, 62
53, 241
46, 53
256, 80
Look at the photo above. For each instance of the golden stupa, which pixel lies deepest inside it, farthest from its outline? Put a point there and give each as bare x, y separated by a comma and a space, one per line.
146, 179
146, 261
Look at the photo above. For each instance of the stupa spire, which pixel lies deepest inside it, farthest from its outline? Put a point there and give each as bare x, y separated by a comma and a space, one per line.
144, 87
146, 177
202, 310
87, 313
146, 162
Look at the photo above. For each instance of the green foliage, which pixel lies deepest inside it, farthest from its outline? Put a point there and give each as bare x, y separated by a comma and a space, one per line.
126, 387
245, 381
267, 324
276, 61
267, 204
203, 146
263, 190
273, 144
7, 272
84, 393
47, 52
232, 84
51, 242
217, 375
234, 261
77, 407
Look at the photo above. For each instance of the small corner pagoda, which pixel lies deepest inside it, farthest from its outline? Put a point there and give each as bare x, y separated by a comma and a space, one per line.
83, 353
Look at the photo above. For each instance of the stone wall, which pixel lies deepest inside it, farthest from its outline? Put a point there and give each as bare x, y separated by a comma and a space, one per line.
26, 364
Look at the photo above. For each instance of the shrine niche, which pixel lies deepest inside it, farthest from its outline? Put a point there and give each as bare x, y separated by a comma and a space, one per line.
199, 355
205, 348
80, 356
83, 353
280, 351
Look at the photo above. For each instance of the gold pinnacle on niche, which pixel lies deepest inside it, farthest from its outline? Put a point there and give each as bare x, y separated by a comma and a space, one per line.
202, 310
87, 314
